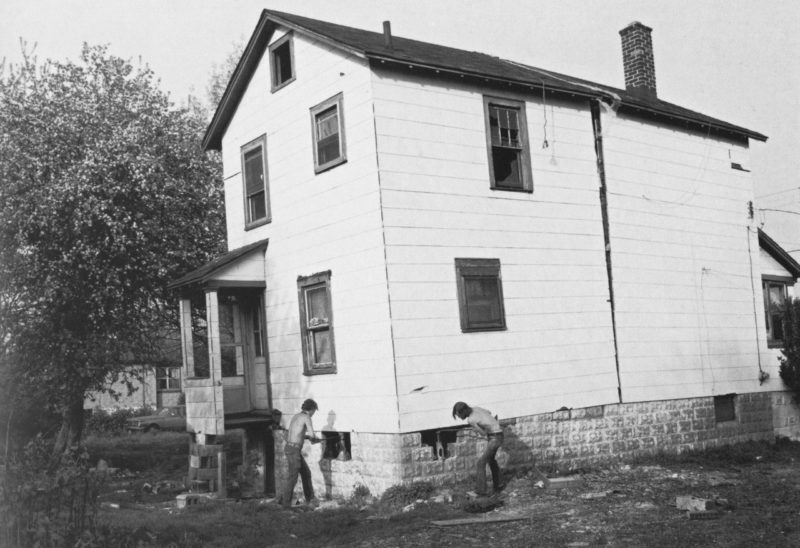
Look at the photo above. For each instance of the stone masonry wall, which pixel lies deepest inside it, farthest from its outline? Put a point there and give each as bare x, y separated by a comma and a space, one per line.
566, 440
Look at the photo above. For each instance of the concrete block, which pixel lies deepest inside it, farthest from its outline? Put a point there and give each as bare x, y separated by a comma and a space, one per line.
564, 483
189, 499
693, 504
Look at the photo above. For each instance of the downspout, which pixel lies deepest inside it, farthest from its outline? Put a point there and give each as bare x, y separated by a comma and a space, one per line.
601, 172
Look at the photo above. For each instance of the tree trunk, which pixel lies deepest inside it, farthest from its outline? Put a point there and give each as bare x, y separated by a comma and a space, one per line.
71, 426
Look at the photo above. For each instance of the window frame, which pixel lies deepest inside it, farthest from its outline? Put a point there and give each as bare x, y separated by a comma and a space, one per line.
525, 153
337, 101
304, 284
478, 268
286, 39
766, 281
249, 223
168, 377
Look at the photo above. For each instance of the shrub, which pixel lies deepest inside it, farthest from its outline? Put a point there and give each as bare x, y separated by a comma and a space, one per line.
790, 360
112, 422
402, 495
46, 499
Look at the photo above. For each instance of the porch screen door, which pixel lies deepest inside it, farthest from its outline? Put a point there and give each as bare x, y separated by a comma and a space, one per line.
234, 357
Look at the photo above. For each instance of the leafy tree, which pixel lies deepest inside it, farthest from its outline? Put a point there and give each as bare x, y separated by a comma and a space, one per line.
105, 196
790, 361
221, 74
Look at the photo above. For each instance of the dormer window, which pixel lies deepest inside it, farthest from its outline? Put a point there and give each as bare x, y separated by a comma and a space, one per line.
327, 127
281, 57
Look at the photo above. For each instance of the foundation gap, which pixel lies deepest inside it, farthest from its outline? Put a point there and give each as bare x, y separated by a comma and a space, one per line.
438, 440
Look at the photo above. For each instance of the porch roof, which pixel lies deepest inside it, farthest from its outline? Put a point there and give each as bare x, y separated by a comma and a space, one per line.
239, 267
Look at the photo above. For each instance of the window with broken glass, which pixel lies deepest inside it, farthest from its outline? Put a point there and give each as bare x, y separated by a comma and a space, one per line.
507, 145
168, 379
316, 323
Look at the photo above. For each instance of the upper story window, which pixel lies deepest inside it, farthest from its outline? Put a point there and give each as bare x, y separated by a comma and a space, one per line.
316, 323
775, 299
480, 295
281, 58
507, 144
256, 188
327, 128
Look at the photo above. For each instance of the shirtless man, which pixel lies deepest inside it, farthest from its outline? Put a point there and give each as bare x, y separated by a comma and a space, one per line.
300, 428
483, 421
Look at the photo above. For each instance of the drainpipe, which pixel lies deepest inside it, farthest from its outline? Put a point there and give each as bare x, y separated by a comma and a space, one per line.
601, 172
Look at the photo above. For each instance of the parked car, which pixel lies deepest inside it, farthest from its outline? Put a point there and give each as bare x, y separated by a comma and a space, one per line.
168, 418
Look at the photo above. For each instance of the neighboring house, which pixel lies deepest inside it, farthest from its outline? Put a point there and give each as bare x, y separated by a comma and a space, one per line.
411, 225
156, 384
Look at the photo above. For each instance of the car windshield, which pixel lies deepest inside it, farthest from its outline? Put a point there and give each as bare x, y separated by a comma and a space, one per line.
169, 412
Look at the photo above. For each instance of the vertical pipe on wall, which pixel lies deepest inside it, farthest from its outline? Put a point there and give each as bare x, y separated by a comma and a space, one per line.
601, 172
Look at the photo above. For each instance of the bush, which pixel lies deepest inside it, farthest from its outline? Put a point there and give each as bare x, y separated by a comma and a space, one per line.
101, 422
402, 495
46, 499
790, 361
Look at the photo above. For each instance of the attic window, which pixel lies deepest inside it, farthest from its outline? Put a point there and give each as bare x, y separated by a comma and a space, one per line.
281, 56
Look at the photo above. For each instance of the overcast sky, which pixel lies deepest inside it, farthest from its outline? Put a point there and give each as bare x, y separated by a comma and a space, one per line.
738, 60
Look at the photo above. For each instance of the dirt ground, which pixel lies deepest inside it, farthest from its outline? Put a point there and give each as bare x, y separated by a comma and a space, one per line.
751, 493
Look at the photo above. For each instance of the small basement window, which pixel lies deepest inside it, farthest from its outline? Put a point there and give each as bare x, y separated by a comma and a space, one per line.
725, 408
438, 440
337, 445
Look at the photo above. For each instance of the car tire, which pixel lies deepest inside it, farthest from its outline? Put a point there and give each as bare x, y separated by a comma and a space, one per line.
153, 428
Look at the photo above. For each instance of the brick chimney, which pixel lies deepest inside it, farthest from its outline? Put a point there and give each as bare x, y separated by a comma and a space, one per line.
637, 59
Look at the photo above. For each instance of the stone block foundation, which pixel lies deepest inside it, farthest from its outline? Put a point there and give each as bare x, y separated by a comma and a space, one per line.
565, 440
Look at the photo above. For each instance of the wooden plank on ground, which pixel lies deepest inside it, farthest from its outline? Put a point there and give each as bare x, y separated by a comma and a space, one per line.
487, 519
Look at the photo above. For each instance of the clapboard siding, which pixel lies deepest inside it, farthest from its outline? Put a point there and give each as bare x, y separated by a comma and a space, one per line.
326, 221
437, 206
683, 284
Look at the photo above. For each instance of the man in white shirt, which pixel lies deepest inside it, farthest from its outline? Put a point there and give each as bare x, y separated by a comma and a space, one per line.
483, 421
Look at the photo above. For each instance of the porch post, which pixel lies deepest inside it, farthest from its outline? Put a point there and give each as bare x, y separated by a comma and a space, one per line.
215, 360
187, 349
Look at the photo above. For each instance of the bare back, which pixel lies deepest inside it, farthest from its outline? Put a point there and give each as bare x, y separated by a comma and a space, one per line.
300, 427
483, 421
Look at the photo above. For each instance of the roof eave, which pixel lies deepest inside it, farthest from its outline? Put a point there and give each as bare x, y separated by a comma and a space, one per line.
237, 85
779, 254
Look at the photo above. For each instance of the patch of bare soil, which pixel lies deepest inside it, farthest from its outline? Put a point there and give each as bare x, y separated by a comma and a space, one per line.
750, 503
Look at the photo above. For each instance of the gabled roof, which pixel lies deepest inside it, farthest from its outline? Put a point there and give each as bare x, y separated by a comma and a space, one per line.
414, 53
207, 271
778, 253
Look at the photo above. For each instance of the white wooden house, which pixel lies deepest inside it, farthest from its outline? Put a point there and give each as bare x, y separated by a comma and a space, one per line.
410, 225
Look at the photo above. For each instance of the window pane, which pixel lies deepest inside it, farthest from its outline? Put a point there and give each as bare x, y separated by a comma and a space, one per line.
321, 347
504, 124
229, 361
317, 303
483, 300
282, 62
257, 206
777, 327
506, 163
254, 171
777, 295
327, 136
227, 329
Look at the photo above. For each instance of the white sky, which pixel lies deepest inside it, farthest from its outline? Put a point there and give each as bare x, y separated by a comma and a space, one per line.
738, 60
